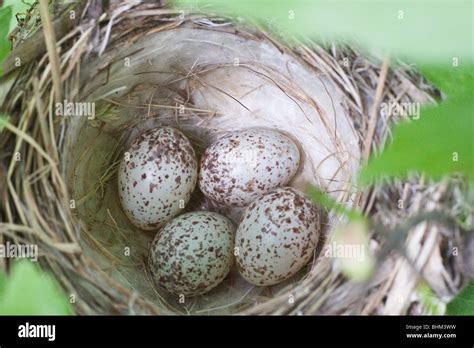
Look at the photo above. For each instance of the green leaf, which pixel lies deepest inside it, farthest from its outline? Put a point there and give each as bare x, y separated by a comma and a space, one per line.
3, 121
463, 303
17, 6
428, 299
329, 203
451, 79
5, 15
434, 31
439, 143
351, 248
351, 234
2, 283
27, 291
8, 22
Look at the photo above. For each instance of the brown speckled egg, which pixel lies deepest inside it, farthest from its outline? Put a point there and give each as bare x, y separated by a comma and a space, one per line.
192, 253
156, 177
276, 237
242, 165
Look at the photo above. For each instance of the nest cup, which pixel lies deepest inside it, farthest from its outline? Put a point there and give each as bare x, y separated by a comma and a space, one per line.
142, 66
205, 83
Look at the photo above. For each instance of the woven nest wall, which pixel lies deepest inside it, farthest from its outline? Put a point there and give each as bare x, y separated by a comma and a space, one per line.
142, 65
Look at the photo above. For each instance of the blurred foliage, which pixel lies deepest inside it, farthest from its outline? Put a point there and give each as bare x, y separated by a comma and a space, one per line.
356, 261
463, 304
18, 7
453, 80
5, 15
431, 31
28, 291
3, 122
429, 301
439, 143
352, 235
8, 21
330, 203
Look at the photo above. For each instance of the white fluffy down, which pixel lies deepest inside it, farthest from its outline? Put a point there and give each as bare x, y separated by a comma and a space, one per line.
248, 83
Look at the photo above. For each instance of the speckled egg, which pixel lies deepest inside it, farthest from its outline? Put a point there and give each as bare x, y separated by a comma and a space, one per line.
276, 237
243, 165
156, 177
192, 253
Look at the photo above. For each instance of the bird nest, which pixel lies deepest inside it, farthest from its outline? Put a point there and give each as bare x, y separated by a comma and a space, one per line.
137, 65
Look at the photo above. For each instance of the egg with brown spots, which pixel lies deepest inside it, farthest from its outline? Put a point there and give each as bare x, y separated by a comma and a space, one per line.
192, 253
276, 237
242, 165
156, 177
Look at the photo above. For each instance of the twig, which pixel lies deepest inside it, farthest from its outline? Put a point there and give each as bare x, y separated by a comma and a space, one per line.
50, 39
373, 112
373, 116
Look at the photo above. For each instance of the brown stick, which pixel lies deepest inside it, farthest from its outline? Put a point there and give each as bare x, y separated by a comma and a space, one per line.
374, 110
51, 46
373, 116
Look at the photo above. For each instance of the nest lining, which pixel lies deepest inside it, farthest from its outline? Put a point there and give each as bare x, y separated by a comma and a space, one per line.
84, 248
